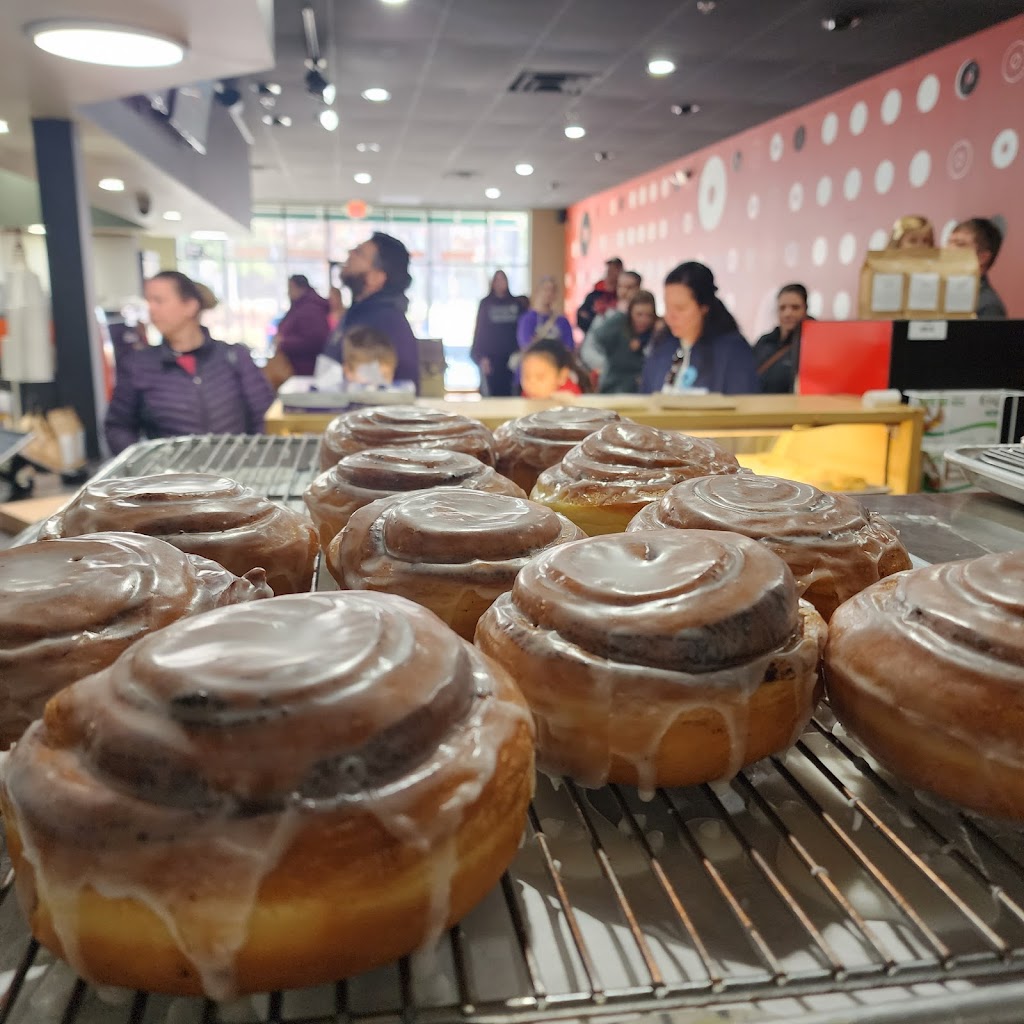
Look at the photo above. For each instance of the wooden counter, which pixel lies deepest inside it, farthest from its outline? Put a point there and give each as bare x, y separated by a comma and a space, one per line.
708, 414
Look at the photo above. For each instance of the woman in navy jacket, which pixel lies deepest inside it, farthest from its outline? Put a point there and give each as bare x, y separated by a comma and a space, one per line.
709, 350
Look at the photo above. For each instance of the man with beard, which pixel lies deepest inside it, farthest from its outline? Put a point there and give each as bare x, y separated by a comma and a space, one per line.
377, 273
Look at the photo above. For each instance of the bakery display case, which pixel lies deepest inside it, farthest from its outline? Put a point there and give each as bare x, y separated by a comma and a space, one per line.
834, 442
812, 888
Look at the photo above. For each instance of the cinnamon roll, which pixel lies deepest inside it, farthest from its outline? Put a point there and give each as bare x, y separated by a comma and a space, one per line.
368, 476
268, 796
70, 607
392, 426
610, 476
452, 551
525, 447
926, 668
834, 545
204, 515
666, 658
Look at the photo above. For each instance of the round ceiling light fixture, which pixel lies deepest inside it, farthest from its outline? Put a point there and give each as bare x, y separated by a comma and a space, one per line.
362, 178
329, 120
367, 147
575, 131
660, 66
172, 215
375, 94
493, 193
524, 170
36, 229
112, 45
111, 184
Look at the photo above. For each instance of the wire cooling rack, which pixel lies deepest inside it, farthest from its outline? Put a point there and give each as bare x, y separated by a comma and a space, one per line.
813, 887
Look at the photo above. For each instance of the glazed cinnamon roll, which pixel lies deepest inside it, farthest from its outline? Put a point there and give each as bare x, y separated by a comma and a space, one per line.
452, 551
70, 607
392, 426
666, 658
610, 476
204, 515
834, 545
268, 796
927, 669
527, 446
368, 476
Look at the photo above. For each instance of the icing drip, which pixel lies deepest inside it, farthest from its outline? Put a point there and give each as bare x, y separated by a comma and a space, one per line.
402, 426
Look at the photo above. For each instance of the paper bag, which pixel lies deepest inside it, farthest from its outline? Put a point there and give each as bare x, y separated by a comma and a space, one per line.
58, 440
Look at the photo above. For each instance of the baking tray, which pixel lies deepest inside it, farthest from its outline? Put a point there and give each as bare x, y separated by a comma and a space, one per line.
812, 888
997, 468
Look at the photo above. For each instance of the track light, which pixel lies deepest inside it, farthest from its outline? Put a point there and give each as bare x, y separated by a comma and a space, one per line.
318, 86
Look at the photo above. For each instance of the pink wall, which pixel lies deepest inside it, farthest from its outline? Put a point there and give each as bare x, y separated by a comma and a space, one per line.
803, 197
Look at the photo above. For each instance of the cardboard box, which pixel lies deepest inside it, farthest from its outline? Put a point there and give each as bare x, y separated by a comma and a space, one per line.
956, 418
919, 284
58, 441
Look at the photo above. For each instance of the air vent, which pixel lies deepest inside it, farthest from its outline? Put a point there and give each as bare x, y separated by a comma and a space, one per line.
563, 83
462, 175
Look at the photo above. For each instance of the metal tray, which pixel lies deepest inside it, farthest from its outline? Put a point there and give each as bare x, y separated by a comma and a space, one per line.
997, 468
812, 888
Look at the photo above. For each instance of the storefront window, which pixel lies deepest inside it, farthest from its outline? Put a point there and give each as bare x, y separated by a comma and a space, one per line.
453, 253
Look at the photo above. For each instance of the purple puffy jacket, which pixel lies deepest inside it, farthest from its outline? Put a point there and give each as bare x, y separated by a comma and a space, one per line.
155, 397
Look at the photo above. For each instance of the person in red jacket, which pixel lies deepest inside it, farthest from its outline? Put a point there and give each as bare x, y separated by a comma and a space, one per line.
602, 298
302, 333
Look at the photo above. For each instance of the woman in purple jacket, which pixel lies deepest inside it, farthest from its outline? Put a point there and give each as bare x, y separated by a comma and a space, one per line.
190, 383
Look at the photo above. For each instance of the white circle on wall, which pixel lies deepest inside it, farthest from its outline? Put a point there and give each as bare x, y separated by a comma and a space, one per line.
1005, 149
960, 159
858, 118
947, 229
687, 223
620, 237
885, 175
666, 188
652, 192
928, 93
641, 234
847, 249
632, 199
732, 261
729, 300
824, 191
663, 229
830, 129
613, 207
841, 306
791, 255
574, 249
753, 207
796, 198
712, 194
891, 106
776, 148
631, 236
920, 168
641, 196
819, 252
1013, 62
852, 183
815, 304
879, 240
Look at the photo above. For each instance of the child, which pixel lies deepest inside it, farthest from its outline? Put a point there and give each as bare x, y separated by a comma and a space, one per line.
369, 359
549, 368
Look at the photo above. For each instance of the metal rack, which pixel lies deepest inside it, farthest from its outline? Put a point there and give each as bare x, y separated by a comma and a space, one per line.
813, 887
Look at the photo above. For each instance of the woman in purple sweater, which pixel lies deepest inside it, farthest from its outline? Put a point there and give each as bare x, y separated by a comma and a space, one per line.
190, 383
542, 319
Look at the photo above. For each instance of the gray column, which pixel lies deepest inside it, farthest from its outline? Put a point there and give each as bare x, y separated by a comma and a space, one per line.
69, 252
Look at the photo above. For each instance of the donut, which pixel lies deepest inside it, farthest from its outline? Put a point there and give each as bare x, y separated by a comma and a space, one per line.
204, 515
525, 447
926, 669
666, 658
452, 551
378, 473
393, 426
268, 796
834, 546
70, 607
611, 475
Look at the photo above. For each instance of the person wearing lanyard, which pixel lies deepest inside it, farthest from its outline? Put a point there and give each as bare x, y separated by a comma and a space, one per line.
712, 355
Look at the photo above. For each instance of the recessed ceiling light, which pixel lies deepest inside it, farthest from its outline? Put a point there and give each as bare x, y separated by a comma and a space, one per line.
524, 169
172, 215
840, 23
329, 119
95, 42
36, 229
4, 127
362, 178
575, 131
685, 109
660, 66
368, 147
376, 94
393, 3
111, 184
493, 193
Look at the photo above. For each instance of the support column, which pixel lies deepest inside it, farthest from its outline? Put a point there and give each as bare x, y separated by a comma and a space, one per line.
68, 224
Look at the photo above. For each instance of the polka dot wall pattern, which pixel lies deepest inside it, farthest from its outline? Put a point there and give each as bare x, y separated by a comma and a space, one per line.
807, 205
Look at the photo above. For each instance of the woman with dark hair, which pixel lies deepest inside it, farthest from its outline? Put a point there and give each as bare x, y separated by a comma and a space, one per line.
711, 353
494, 340
777, 353
549, 369
190, 383
622, 342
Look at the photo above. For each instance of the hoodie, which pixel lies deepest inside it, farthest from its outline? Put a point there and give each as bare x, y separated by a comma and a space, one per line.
384, 311
302, 333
